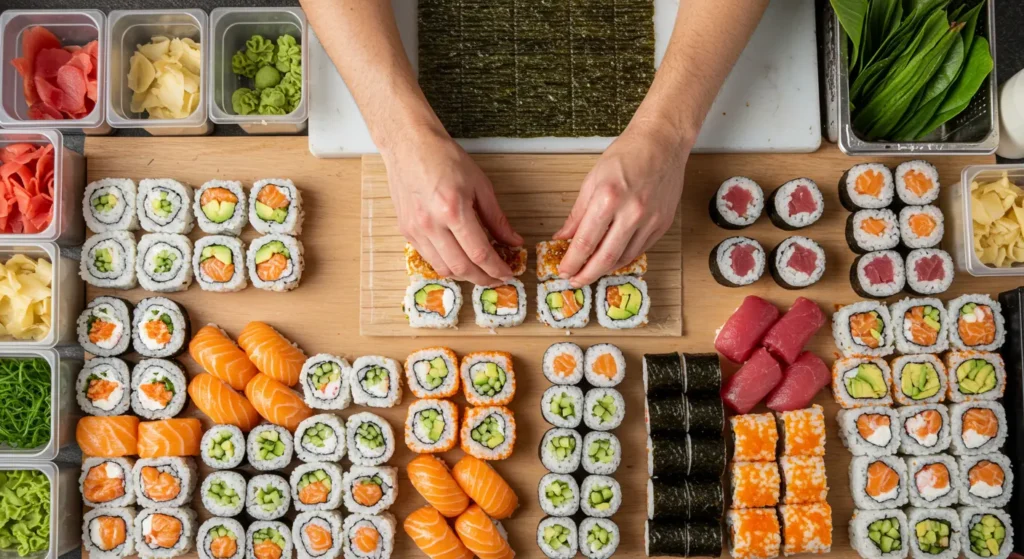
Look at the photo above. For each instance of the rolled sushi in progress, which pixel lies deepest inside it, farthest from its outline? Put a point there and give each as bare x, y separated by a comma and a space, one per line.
317, 534
104, 327
600, 496
218, 263
220, 207
275, 207
267, 497
561, 450
108, 260
325, 382
109, 205
562, 406
869, 230
320, 438
737, 204
603, 409
165, 482
560, 305
376, 382
563, 363
488, 378
268, 539
557, 537
107, 482
622, 302
109, 533
223, 493
796, 204
737, 261
488, 432
164, 532
866, 186
559, 495
269, 447
275, 262
103, 387
433, 372
221, 538
165, 206
158, 389
500, 306
370, 489
432, 426
368, 535
317, 486
371, 441
160, 328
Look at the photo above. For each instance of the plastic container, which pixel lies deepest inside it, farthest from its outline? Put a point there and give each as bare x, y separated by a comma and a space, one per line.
65, 507
64, 411
72, 27
230, 28
68, 294
956, 204
126, 29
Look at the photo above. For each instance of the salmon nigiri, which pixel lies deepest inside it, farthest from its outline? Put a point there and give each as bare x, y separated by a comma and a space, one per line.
481, 535
222, 404
430, 476
170, 437
432, 534
108, 437
486, 487
219, 356
276, 402
271, 353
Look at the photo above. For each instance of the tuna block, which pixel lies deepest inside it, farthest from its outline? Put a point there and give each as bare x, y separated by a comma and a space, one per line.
746, 328
801, 381
752, 382
788, 337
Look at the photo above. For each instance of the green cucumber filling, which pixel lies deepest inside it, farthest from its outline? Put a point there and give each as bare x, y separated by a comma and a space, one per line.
598, 537
269, 445
604, 408
919, 381
222, 532
157, 314
164, 261
269, 497
431, 424
558, 492
314, 477
931, 317
488, 378
103, 259
104, 202
866, 381
489, 432
886, 534
161, 205
976, 376
370, 435
324, 374
563, 405
562, 447
557, 536
221, 446
601, 497
987, 535
319, 435
375, 377
222, 494
264, 534
600, 451
932, 536
967, 309
432, 373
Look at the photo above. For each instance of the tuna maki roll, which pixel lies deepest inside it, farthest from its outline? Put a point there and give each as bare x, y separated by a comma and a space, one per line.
859, 382
432, 426
223, 493
978, 427
925, 429
929, 271
975, 375
164, 263
559, 495
933, 481
160, 328
371, 442
105, 327
557, 538
275, 207
433, 372
103, 387
866, 186
797, 262
218, 263
878, 483
563, 363
878, 275
921, 226
599, 538
737, 204
976, 323
267, 497
376, 382
109, 532
560, 305
268, 539
562, 406
108, 260
918, 379
164, 532
107, 482
221, 538
368, 536
165, 206
275, 262
220, 207
917, 182
987, 480
561, 450
269, 447
920, 326
317, 534
934, 533
164, 482
433, 303
796, 204
985, 533
317, 486
870, 431
737, 261
320, 438
325, 382
602, 453
488, 433
880, 534
500, 306
488, 378
863, 329
603, 409
622, 302
158, 389
870, 230
109, 205
370, 489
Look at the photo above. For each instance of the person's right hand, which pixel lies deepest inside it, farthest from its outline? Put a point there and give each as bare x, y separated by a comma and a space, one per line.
445, 205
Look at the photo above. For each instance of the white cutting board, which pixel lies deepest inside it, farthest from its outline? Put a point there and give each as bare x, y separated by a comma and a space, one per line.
768, 103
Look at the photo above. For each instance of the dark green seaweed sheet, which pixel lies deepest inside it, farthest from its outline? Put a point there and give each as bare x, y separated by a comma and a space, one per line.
664, 373
666, 415
687, 500
703, 539
702, 373
665, 538
704, 415
670, 456
706, 499
707, 457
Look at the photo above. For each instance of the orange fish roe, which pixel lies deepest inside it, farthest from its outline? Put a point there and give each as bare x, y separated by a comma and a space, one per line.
753, 533
803, 432
755, 484
804, 479
754, 437
806, 528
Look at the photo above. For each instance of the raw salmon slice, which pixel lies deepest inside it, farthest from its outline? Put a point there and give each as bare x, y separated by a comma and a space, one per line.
320, 539
873, 226
272, 196
920, 332
101, 330
218, 194
935, 476
276, 403
112, 532
921, 224
165, 532
930, 424
219, 271
108, 437
367, 493
882, 480
366, 539
272, 354
223, 547
157, 392
478, 532
917, 182
982, 421
508, 296
432, 534
99, 488
158, 331
485, 487
430, 476
982, 331
159, 486
314, 493
99, 389
273, 268
267, 549
605, 365
222, 404
219, 356
612, 296
569, 305
564, 365
869, 423
861, 325
870, 183
435, 302
988, 473
170, 437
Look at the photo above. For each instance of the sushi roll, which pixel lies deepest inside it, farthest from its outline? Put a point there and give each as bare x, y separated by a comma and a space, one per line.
603, 409
221, 538
605, 366
684, 499
753, 533
880, 534
600, 496
918, 379
488, 433
917, 182
561, 450
802, 432
563, 363
164, 482
975, 375
549, 256
934, 533
863, 329
220, 207
269, 447
976, 323
368, 535
103, 387
488, 378
432, 426
223, 447
158, 389
371, 442
871, 230
806, 528
557, 538
369, 489
685, 456
559, 495
921, 226
796, 204
878, 483
674, 539
165, 206
929, 271
160, 328
165, 532
109, 532
755, 437
737, 262
622, 302
108, 260
985, 533
164, 264
878, 275
500, 306
109, 205
933, 481
803, 479
320, 438
756, 484
859, 382
599, 538
704, 416
275, 207
797, 262
870, 431
920, 326
223, 493
924, 429
737, 204
107, 482
275, 262
268, 539
978, 427
267, 496
433, 372
316, 486
325, 382
317, 534
602, 453
987, 480
218, 263
105, 327
560, 305
866, 186
663, 373
433, 303
376, 382
562, 406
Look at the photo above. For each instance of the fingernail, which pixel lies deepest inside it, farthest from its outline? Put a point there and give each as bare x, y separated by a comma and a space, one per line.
563, 275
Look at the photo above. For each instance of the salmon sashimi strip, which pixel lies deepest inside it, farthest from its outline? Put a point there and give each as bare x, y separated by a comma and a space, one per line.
921, 224
158, 332
873, 226
100, 389
272, 196
917, 182
165, 532
432, 534
868, 424
934, 476
170, 437
108, 437
366, 539
159, 486
98, 487
564, 365
367, 493
882, 481
218, 355
569, 305
606, 366
276, 403
508, 296
320, 539
223, 547
435, 302
987, 473
613, 296
219, 194
314, 493
870, 183
485, 487
272, 353
267, 549
478, 532
430, 476
113, 532
222, 404
927, 422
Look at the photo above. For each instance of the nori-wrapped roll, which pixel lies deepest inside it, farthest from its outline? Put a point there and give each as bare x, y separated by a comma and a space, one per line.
667, 456
707, 457
664, 538
663, 373
703, 539
704, 416
666, 415
707, 499
684, 500
702, 373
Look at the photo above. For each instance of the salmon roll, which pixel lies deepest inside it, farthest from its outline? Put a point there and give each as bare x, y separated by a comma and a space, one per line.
562, 406
107, 482
870, 430
920, 326
934, 533
165, 206
369, 489
165, 532
796, 263
560, 305
501, 306
933, 481
376, 382
878, 275
603, 409
978, 427
269, 447
878, 483
275, 262
870, 230
563, 363
109, 205
925, 429
929, 271
561, 450
103, 387
753, 534
557, 537
221, 538
489, 432
223, 493
165, 482
987, 480
863, 329
976, 323
275, 207
432, 426
918, 379
488, 378
160, 328
220, 207
985, 533
325, 382
158, 389
317, 534
108, 260
559, 495
880, 534
975, 375
622, 302
796, 204
105, 327
605, 366
921, 226
164, 264
268, 540
367, 535
917, 182
735, 262
432, 303
223, 447
755, 484
866, 186
433, 372
737, 203
267, 496
109, 532
218, 263
320, 438
858, 382
371, 441
316, 486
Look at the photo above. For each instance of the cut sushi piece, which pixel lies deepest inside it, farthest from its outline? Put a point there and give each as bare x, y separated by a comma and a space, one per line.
976, 323
878, 483
559, 495
164, 532
917, 182
158, 389
603, 409
754, 437
863, 329
786, 339
220, 207
622, 302
685, 456
753, 534
325, 382
481, 535
561, 450
269, 447
170, 437
684, 499
488, 432
267, 497
687, 539
433, 372
109, 532
222, 404
602, 453
556, 537
104, 387
796, 204
746, 327
432, 426
217, 354
682, 414
275, 207
878, 274
870, 230
929, 271
663, 373
801, 382
562, 406
605, 366
802, 432
165, 206
933, 481
430, 476
433, 303
987, 480
108, 437
488, 378
485, 487
317, 486
859, 382
702, 374
803, 479
223, 493
600, 496
267, 540
275, 262
755, 484
563, 363
500, 306
560, 305
369, 489
320, 438
218, 263
920, 326
107, 482
934, 533
752, 382
737, 204
272, 353
870, 431
435, 538
221, 538
880, 534
160, 328
918, 379
164, 264
371, 442
806, 528
109, 205
737, 261
925, 429
108, 260
975, 375
797, 262
985, 533
317, 534
921, 226
866, 186
104, 327
978, 427
376, 382
368, 536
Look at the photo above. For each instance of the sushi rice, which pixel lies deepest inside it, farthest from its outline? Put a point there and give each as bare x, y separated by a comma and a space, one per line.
986, 480
432, 426
933, 481
859, 382
557, 538
976, 323
622, 302
325, 382
267, 496
376, 382
94, 482
918, 379
320, 438
380, 529
602, 453
218, 263
313, 528
109, 205
559, 495
370, 489
371, 441
562, 406
158, 389
164, 264
316, 486
488, 432
269, 447
275, 262
433, 372
975, 375
605, 366
108, 260
934, 533
222, 447
220, 207
425, 310
214, 535
488, 378
495, 307
165, 206
870, 230
160, 328
880, 534
271, 535
600, 496
104, 327
603, 409
563, 363
143, 529
93, 532
920, 326
978, 427
561, 450
104, 387
921, 226
870, 431
872, 335
920, 435
275, 207
985, 533
878, 483
560, 305
223, 493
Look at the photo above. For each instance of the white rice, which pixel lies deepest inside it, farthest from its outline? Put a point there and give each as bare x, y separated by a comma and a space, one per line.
118, 203
922, 495
728, 213
386, 391
955, 313
983, 494
901, 327
119, 272
165, 262
783, 195
554, 351
858, 482
865, 286
635, 321
232, 225
292, 224
723, 261
791, 278
924, 168
502, 317
854, 200
204, 539
910, 239
238, 280
914, 443
292, 273
866, 242
929, 287
175, 202
554, 318
333, 395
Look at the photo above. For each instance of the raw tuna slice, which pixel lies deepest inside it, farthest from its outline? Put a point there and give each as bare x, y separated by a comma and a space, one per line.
752, 382
930, 268
802, 201
787, 338
34, 40
745, 328
800, 383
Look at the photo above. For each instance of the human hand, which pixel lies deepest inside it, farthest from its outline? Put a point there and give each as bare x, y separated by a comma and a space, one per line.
445, 204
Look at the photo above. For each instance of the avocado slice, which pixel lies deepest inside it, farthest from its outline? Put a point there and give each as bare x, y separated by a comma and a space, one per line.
270, 249
632, 297
554, 300
578, 295
266, 213
161, 205
489, 296
919, 381
616, 313
219, 212
220, 252
872, 375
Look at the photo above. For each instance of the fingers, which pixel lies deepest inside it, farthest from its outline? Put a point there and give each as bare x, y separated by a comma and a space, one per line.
579, 209
494, 218
588, 235
641, 241
457, 261
608, 253
474, 243
430, 254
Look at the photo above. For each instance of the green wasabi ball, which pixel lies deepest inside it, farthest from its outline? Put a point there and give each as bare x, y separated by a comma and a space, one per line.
245, 101
267, 76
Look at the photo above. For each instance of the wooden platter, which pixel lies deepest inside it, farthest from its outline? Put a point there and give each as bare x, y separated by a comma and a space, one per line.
323, 314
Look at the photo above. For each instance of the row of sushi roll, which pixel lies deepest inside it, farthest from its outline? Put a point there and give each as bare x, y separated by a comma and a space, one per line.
885, 273
918, 379
797, 262
912, 228
739, 202
156, 327
873, 186
154, 389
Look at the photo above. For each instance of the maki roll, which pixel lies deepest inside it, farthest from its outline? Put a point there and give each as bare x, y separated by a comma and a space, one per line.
796, 204
165, 206
223, 493
929, 271
371, 442
917, 182
684, 499
863, 329
602, 453
433, 372
557, 538
755, 437
488, 378
756, 484
603, 409
802, 432
432, 426
737, 204
268, 539
702, 373
918, 379
267, 496
559, 495
164, 262
665, 415
549, 256
164, 482
880, 534
275, 262
753, 534
975, 375
797, 262
107, 482
622, 302
108, 260
109, 205
109, 532
858, 382
987, 480
218, 263
562, 406
978, 427
878, 275
925, 429
103, 387
921, 226
685, 456
320, 438
488, 433
605, 366
376, 382
104, 327
317, 534
500, 306
878, 483
737, 261
933, 481
803, 479
870, 230
870, 431
934, 533
560, 305
561, 450
160, 328
920, 326
599, 538
164, 532
687, 539
806, 528
369, 489
221, 538
985, 533
269, 447
275, 207
704, 416
158, 389
325, 382
368, 536
220, 207
563, 363
976, 323
433, 303
866, 186
317, 486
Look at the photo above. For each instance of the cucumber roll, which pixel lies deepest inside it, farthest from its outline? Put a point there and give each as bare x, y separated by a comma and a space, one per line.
269, 447
934, 533
605, 366
160, 328
600, 496
432, 303
559, 495
599, 538
316, 486
603, 409
602, 453
107, 482
880, 534
109, 532
222, 447
221, 538
560, 305
376, 382
488, 378
561, 450
268, 539
105, 327
103, 387
108, 260
433, 372
987, 480
985, 533
975, 375
500, 306
489, 432
368, 536
557, 538
320, 438
317, 534
218, 263
432, 426
158, 389
165, 262
275, 206
562, 406
325, 382
267, 496
622, 302
109, 205
933, 481
165, 482
371, 441
164, 533
220, 207
223, 493
165, 206
275, 262
563, 363
369, 489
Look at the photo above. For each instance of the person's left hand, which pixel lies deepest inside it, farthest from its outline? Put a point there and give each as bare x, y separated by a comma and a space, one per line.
626, 203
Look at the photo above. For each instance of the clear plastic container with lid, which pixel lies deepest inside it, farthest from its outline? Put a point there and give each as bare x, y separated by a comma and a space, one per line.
64, 411
957, 205
65, 507
67, 295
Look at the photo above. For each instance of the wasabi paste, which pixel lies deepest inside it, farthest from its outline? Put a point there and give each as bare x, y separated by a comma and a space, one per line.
274, 72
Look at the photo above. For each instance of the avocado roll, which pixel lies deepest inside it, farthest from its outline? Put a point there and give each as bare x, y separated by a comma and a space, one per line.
275, 207
269, 447
103, 387
602, 453
164, 482
107, 482
221, 538
433, 303
316, 486
220, 207
975, 375
500, 306
164, 264
165, 532
371, 441
165, 206
432, 426
376, 382
108, 260
560, 305
267, 496
858, 382
317, 534
488, 378
559, 495
603, 409
160, 328
109, 532
109, 205
275, 262
557, 537
370, 489
561, 450
433, 372
218, 263
268, 539
325, 382
223, 493
488, 432
563, 363
320, 438
622, 302
105, 327
158, 389
562, 406
918, 379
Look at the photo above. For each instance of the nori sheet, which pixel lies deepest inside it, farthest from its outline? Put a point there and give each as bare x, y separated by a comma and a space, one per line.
704, 415
706, 499
707, 457
664, 373
703, 373
703, 539
686, 500
666, 415
666, 538
670, 456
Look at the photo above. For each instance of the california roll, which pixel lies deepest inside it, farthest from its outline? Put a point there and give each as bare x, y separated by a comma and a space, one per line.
275, 207
488, 432
560, 305
500, 306
160, 328
275, 262
433, 372
325, 382
863, 329
220, 207
920, 326
370, 489
488, 378
933, 481
218, 263
976, 323
622, 302
376, 382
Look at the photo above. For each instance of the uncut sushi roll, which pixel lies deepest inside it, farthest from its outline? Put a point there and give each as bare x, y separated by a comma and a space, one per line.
218, 263
560, 305
267, 496
870, 431
160, 328
929, 271
164, 482
269, 447
753, 533
878, 483
918, 379
600, 496
605, 366
432, 372
275, 207
221, 538
684, 499
858, 382
737, 203
317, 534
986, 480
320, 438
376, 382
222, 447
863, 329
109, 532
803, 479
622, 302
562, 406
164, 264
737, 261
603, 409
934, 533
104, 387
105, 327
220, 207
107, 482
316, 486
802, 432
563, 363
602, 453
561, 450
432, 303
275, 262
599, 538
432, 426
368, 535
925, 429
880, 534
866, 186
878, 275
371, 442
797, 262
755, 437
985, 533
165, 206
870, 230
158, 389
806, 528
109, 205
500, 306
108, 260
976, 323
223, 493
756, 484
488, 378
488, 433
921, 226
975, 375
917, 182
557, 538
369, 489
920, 326
164, 532
796, 204
978, 427
559, 495
325, 382
933, 481
268, 539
